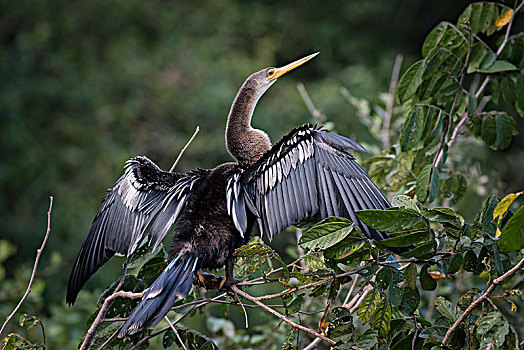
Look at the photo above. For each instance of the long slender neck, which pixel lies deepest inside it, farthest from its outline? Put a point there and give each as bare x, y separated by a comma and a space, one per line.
243, 142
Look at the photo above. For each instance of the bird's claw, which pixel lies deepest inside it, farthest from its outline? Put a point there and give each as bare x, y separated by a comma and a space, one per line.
226, 283
210, 281
207, 280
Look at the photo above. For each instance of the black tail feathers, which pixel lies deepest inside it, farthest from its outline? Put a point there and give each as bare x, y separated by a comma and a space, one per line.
174, 282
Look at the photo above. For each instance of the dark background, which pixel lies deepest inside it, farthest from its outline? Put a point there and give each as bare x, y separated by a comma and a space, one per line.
84, 86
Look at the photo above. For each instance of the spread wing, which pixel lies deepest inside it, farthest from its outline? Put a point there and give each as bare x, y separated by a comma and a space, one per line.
145, 201
308, 173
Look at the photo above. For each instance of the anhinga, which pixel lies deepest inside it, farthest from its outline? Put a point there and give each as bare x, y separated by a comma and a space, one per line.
308, 173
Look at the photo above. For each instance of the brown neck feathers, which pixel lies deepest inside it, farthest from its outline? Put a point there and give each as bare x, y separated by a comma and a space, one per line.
243, 142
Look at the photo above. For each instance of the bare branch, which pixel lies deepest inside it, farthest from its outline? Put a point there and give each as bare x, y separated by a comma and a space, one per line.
483, 297
103, 310
184, 149
176, 332
440, 152
202, 303
37, 259
391, 99
243, 308
279, 315
315, 113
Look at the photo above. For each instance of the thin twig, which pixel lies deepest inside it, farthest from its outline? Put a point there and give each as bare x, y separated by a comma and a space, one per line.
440, 152
243, 308
486, 294
205, 302
350, 291
176, 332
313, 344
117, 288
108, 340
279, 315
315, 113
184, 149
103, 310
391, 99
37, 259
354, 305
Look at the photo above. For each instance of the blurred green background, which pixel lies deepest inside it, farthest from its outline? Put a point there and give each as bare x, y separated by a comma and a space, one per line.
84, 86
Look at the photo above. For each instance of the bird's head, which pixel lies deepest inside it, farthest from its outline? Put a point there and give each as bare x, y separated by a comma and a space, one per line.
260, 81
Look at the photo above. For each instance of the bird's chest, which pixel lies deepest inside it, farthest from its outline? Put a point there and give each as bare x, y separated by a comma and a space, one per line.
206, 229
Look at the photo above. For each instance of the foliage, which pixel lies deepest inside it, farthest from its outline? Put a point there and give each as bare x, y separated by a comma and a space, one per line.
346, 286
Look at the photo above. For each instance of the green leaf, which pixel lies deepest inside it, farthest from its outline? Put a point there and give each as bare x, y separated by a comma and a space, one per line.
392, 219
454, 187
144, 254
191, 339
499, 66
512, 236
426, 281
478, 52
470, 261
341, 328
369, 305
489, 322
326, 233
410, 301
152, 269
428, 184
443, 215
482, 17
487, 60
423, 250
410, 81
384, 277
447, 309
509, 90
520, 94
396, 294
488, 224
294, 306
412, 130
368, 339
411, 276
412, 237
455, 263
495, 128
445, 35
382, 318
403, 201
314, 262
467, 298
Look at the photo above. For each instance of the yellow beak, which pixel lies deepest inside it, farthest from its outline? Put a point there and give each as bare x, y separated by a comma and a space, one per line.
288, 67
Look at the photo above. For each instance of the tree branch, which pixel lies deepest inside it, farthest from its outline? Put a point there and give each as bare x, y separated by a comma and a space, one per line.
256, 300
103, 310
176, 332
440, 152
484, 296
37, 259
391, 99
315, 113
184, 149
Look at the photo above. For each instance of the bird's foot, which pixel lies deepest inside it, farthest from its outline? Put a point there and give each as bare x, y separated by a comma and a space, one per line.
207, 280
228, 282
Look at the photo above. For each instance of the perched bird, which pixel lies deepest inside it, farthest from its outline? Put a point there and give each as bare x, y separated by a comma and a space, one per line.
310, 172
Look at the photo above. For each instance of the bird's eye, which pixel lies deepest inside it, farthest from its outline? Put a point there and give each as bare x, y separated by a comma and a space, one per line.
271, 72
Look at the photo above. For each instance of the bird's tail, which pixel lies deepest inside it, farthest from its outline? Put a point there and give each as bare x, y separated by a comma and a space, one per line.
174, 282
